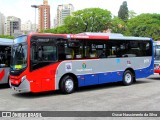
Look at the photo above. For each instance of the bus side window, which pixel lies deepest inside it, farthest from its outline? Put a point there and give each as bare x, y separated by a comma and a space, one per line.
93, 54
103, 54
87, 54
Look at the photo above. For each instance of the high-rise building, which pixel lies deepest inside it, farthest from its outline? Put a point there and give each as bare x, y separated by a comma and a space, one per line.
2, 23
28, 27
13, 25
55, 22
63, 11
44, 16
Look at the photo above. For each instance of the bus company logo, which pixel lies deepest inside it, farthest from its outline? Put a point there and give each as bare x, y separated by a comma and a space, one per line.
128, 63
84, 65
146, 60
84, 68
118, 60
68, 67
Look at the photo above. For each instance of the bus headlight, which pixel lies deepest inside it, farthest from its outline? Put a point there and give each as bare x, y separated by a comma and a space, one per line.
23, 78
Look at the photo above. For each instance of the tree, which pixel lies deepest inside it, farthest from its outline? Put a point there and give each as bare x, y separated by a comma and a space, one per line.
61, 29
88, 20
131, 14
123, 11
7, 36
118, 25
144, 25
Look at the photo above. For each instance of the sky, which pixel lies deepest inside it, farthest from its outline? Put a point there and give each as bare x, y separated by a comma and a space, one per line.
23, 10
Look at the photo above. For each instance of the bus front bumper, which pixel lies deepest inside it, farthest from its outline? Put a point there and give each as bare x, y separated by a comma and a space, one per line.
23, 87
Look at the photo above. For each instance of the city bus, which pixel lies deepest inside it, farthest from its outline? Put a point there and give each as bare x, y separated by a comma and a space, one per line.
156, 45
47, 62
5, 55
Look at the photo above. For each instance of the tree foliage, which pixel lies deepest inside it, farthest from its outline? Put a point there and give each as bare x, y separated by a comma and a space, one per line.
61, 30
86, 20
123, 11
145, 25
118, 25
7, 36
97, 20
131, 14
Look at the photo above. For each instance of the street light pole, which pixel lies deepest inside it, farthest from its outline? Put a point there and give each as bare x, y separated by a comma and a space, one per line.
35, 6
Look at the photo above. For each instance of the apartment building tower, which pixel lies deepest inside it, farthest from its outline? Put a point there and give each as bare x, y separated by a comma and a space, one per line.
44, 16
12, 25
63, 11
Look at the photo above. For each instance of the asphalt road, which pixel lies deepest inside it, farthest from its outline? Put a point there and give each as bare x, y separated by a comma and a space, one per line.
144, 95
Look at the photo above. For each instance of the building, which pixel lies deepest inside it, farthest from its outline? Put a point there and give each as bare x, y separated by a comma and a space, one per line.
12, 25
28, 27
2, 23
55, 22
44, 16
63, 11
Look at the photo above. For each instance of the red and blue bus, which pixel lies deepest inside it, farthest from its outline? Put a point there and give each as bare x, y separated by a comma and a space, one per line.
5, 55
156, 45
44, 62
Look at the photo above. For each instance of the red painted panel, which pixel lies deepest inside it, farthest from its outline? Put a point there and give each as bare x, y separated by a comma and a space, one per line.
2, 73
93, 37
157, 71
43, 79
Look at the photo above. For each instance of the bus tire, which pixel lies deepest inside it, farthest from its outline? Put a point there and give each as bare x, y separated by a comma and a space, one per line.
67, 85
127, 78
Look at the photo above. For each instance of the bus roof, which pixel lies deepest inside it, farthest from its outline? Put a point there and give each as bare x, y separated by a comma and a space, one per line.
91, 35
5, 41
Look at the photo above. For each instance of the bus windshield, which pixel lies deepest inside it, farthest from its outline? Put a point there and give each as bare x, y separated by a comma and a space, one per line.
157, 52
19, 54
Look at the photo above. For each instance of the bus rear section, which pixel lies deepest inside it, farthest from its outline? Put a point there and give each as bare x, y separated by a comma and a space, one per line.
156, 57
45, 62
5, 55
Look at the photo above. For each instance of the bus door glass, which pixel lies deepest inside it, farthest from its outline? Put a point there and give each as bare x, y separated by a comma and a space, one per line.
5, 56
5, 52
157, 52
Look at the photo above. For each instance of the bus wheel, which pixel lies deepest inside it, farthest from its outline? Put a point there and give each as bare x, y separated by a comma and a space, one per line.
67, 85
127, 77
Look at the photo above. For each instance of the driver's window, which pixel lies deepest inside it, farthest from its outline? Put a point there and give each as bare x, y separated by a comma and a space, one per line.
42, 55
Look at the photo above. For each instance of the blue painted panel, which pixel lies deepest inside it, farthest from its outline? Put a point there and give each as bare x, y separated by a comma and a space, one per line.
107, 77
110, 77
143, 73
91, 79
117, 76
81, 80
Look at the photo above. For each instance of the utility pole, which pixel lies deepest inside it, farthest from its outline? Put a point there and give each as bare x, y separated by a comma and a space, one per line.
35, 6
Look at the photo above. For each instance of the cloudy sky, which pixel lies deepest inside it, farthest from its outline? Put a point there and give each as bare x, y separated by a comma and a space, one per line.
23, 10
